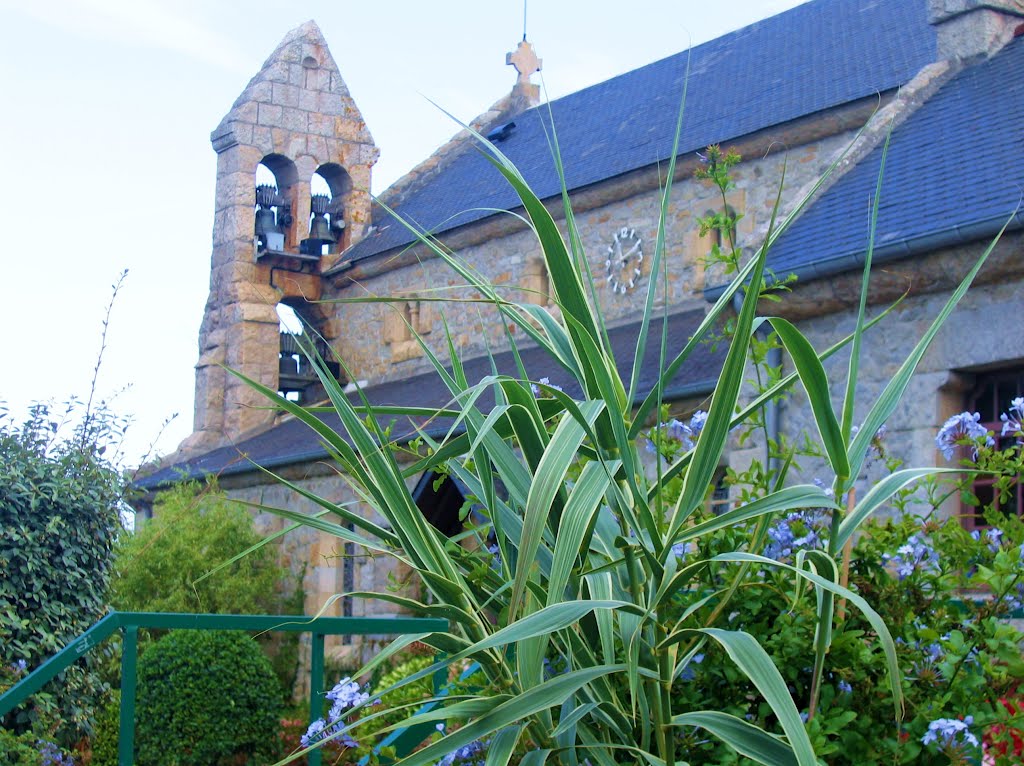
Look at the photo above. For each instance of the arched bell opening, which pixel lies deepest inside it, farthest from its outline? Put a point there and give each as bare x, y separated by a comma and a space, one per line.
298, 380
275, 177
329, 190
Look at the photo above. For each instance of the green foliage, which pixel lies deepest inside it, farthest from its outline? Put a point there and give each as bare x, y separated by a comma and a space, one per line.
194, 529
104, 740
188, 558
60, 500
600, 578
32, 745
206, 698
958, 658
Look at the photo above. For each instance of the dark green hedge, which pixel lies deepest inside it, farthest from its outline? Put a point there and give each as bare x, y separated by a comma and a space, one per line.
59, 511
206, 698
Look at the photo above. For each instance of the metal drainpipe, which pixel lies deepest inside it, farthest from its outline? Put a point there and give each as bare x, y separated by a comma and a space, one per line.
771, 414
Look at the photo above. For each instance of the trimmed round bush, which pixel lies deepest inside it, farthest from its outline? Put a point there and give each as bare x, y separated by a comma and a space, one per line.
206, 698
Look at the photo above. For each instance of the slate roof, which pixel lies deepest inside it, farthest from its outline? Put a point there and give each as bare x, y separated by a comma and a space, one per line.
814, 57
954, 172
293, 442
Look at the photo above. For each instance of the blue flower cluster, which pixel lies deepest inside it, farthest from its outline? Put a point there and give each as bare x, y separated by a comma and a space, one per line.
473, 754
690, 672
993, 537
543, 382
950, 732
682, 550
914, 555
1013, 419
800, 530
676, 430
345, 695
555, 667
51, 755
962, 429
928, 668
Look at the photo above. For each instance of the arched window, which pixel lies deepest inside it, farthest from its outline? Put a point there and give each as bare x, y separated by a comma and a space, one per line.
275, 175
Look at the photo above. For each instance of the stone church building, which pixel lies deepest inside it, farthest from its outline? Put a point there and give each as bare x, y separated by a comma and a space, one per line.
794, 90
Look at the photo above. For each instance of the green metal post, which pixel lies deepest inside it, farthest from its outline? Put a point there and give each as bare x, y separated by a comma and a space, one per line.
129, 656
316, 687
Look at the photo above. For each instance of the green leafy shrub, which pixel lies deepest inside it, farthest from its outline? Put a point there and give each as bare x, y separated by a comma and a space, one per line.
959, 657
194, 529
60, 499
178, 561
104, 740
206, 698
33, 745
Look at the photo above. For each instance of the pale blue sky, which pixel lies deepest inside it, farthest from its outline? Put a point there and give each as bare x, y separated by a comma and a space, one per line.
107, 110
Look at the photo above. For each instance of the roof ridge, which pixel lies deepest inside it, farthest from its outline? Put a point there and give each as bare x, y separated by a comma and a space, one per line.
501, 110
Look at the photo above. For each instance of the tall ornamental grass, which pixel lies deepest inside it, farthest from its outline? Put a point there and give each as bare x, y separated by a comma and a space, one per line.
595, 566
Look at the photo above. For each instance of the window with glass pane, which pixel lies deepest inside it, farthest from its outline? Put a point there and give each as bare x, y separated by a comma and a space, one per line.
991, 397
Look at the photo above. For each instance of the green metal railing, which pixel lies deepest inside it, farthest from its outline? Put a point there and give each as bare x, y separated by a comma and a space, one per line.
130, 622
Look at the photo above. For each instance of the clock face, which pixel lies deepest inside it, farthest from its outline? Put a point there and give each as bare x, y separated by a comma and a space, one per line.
624, 261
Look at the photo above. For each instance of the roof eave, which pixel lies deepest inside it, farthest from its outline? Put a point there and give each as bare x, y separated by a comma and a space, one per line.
960, 234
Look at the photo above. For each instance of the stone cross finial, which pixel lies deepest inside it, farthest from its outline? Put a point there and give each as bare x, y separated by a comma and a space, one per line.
525, 60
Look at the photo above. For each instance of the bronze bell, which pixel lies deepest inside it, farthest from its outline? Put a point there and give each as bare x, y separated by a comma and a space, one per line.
269, 232
266, 222
320, 228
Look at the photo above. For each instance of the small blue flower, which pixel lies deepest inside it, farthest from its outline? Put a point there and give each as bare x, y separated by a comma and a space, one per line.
914, 555
799, 530
950, 732
50, 754
697, 421
346, 741
682, 550
314, 732
821, 485
844, 687
345, 694
472, 753
545, 381
689, 672
962, 429
1012, 420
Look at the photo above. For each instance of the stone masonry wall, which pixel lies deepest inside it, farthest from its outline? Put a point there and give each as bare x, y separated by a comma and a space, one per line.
974, 337
323, 555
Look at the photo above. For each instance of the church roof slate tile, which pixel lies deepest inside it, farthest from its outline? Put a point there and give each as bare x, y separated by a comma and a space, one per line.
952, 172
816, 56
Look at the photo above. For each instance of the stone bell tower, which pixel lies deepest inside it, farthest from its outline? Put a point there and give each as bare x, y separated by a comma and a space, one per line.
271, 240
